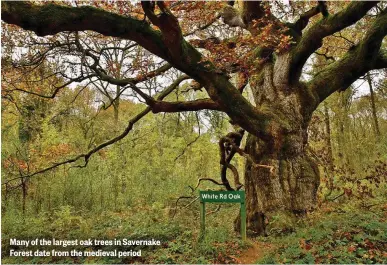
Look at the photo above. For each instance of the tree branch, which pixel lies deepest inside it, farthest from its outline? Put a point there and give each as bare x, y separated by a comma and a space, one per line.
228, 147
252, 10
176, 106
365, 56
303, 21
54, 93
51, 19
312, 39
381, 60
323, 8
119, 137
168, 44
179, 106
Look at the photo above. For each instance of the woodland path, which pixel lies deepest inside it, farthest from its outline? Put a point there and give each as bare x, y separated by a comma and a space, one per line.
256, 251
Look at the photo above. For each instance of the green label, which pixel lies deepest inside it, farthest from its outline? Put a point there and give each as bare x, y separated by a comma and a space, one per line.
222, 196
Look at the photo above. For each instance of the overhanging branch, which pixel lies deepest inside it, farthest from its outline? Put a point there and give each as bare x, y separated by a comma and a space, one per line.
50, 19
303, 21
119, 137
313, 37
176, 106
365, 56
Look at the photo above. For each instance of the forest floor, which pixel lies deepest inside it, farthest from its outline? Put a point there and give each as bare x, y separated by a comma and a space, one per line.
336, 233
257, 251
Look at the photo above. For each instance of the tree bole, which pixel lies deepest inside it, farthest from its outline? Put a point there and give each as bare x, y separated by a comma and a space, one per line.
291, 188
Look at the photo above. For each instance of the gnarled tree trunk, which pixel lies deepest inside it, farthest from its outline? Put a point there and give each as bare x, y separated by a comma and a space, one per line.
291, 186
290, 189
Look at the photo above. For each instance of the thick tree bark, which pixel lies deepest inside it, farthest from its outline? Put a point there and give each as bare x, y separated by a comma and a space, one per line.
291, 188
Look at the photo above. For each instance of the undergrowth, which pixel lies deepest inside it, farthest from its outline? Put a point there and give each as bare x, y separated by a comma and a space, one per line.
334, 235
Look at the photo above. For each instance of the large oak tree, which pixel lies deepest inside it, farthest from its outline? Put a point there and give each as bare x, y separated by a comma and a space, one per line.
270, 53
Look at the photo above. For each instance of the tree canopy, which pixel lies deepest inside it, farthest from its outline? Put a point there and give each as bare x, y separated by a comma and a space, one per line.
266, 65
